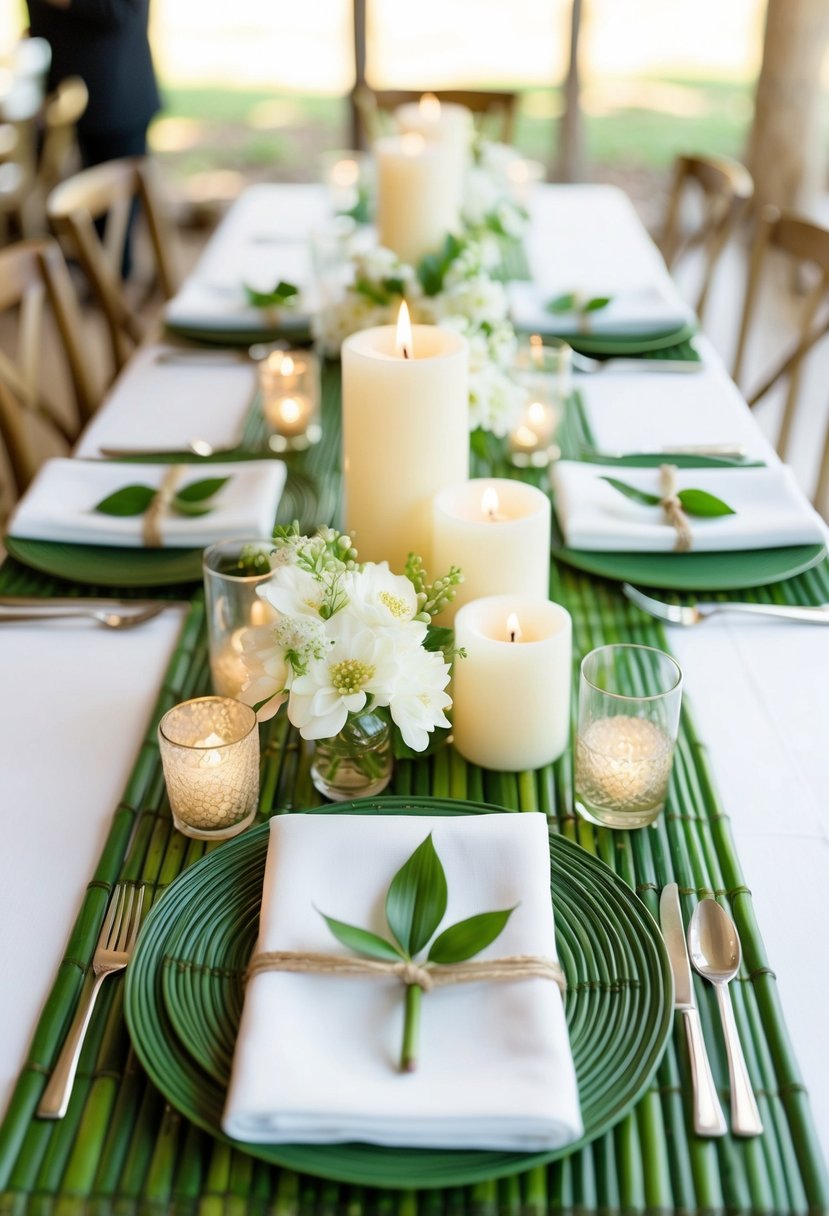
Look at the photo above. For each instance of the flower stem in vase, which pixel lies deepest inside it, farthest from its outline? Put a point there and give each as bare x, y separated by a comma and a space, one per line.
411, 1029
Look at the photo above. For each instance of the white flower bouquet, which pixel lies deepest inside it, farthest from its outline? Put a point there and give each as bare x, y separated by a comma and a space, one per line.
350, 638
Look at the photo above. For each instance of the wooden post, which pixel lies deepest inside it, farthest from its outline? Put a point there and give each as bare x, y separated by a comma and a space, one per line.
359, 11
571, 135
786, 155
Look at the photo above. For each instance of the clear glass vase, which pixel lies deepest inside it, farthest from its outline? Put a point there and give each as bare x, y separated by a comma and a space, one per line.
357, 762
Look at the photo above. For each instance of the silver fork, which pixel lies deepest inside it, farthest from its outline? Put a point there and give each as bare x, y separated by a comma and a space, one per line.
112, 953
109, 617
676, 614
588, 365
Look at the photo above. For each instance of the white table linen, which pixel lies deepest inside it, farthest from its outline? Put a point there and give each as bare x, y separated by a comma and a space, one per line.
60, 503
317, 1055
164, 405
74, 711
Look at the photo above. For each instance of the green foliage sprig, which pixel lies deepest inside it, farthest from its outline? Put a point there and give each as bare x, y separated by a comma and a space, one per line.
192, 499
573, 301
694, 502
415, 906
284, 295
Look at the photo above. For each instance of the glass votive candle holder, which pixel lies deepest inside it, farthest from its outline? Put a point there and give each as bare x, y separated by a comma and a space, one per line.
233, 572
210, 756
347, 177
629, 704
545, 374
289, 383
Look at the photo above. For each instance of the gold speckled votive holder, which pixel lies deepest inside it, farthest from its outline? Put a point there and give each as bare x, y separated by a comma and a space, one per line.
210, 756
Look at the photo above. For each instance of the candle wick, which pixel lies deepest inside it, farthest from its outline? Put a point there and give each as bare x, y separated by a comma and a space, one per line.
406, 352
512, 635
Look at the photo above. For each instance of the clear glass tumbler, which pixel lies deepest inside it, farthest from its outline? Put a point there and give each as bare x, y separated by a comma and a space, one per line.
233, 570
210, 755
629, 704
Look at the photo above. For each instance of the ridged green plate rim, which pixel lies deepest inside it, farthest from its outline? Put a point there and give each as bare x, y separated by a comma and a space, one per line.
619, 1002
632, 344
697, 571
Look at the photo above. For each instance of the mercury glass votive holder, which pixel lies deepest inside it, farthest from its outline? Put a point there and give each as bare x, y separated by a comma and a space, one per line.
289, 383
234, 570
629, 704
210, 756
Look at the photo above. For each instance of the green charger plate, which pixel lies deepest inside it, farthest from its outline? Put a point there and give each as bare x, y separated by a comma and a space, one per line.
633, 345
183, 1000
107, 566
697, 571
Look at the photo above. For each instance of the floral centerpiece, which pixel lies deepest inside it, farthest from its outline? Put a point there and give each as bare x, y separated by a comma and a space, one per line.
354, 656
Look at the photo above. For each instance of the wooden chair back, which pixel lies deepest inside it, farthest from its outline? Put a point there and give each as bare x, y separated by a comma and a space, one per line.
33, 275
804, 243
110, 190
495, 110
725, 188
61, 112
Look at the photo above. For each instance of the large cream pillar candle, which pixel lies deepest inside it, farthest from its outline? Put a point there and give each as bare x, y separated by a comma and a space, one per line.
405, 436
511, 694
498, 532
439, 122
419, 195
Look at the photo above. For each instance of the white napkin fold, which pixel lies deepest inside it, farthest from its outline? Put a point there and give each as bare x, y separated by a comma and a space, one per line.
158, 404
636, 312
316, 1057
59, 504
771, 510
214, 296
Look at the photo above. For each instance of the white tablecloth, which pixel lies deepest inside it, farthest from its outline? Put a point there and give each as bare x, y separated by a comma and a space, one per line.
758, 691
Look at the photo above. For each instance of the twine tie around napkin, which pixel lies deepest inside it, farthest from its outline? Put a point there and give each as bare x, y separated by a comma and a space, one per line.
672, 508
151, 527
516, 967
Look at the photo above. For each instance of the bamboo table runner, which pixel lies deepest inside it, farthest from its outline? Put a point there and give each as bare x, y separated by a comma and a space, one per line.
122, 1149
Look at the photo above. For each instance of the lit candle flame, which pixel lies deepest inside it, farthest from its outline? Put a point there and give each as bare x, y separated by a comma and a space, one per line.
429, 107
286, 367
345, 173
412, 143
290, 410
537, 349
535, 413
489, 502
403, 338
513, 628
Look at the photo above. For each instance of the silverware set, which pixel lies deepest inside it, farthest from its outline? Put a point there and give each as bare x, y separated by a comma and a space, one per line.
695, 614
112, 953
111, 614
713, 947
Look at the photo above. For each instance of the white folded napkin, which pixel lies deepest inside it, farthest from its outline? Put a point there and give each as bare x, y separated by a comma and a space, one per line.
316, 1057
634, 312
771, 510
214, 296
159, 404
59, 504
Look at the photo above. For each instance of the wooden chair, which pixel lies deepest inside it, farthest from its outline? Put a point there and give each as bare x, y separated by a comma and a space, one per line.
110, 190
806, 244
33, 275
724, 188
495, 111
61, 112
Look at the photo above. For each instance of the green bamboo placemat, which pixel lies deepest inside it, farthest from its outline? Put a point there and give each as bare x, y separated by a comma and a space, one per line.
121, 1149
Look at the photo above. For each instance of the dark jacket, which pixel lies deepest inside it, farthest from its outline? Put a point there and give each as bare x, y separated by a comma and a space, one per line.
104, 42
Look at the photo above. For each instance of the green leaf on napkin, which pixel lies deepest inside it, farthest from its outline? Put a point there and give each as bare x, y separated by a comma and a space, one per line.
416, 899
415, 905
190, 500
694, 502
130, 500
284, 295
572, 301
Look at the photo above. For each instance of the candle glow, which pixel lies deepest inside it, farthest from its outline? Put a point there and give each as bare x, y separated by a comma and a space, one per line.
513, 627
489, 503
412, 143
403, 335
430, 107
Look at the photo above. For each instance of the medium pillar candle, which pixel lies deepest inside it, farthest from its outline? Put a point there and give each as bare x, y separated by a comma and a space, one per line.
498, 532
419, 195
405, 436
439, 122
511, 694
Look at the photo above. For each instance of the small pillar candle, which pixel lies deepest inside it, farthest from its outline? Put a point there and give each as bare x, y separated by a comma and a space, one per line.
511, 694
498, 532
210, 755
405, 436
419, 195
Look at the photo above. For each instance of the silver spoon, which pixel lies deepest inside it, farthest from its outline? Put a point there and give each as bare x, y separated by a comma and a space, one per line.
714, 949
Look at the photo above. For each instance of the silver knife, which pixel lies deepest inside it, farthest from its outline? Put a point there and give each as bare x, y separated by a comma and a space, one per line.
709, 1119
